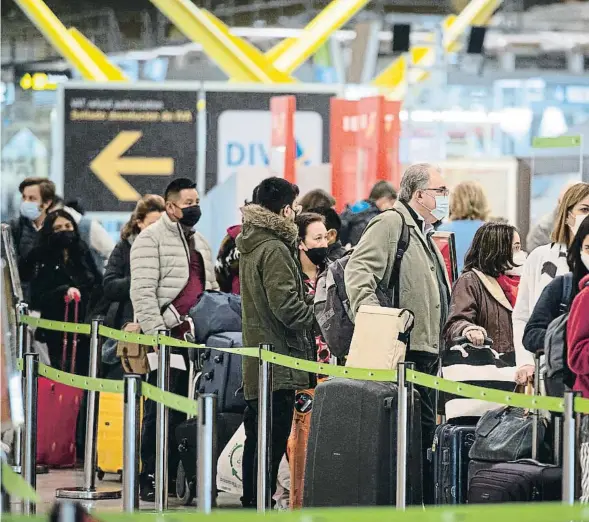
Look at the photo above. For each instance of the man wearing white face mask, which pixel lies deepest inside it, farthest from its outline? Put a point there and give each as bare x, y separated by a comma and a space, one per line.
424, 287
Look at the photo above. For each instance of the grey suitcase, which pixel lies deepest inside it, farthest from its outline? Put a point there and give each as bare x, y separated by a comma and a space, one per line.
351, 454
221, 373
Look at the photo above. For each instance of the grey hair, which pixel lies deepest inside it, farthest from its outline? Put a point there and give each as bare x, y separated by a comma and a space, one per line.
416, 178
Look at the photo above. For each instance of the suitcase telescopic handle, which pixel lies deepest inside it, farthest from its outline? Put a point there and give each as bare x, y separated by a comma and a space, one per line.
488, 342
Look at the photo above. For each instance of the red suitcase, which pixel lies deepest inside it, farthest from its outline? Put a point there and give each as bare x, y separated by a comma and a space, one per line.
58, 407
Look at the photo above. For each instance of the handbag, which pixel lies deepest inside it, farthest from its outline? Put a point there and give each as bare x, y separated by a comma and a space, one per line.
133, 355
506, 434
380, 337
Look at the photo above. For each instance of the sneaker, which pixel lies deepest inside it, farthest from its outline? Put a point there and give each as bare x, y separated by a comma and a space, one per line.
147, 489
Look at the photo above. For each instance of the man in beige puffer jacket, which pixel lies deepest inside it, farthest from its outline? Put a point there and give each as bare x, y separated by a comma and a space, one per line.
171, 267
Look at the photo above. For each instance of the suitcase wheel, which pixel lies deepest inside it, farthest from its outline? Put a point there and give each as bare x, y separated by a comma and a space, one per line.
183, 490
100, 474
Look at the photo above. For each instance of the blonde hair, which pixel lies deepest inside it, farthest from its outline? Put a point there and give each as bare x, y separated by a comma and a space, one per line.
562, 233
147, 204
469, 202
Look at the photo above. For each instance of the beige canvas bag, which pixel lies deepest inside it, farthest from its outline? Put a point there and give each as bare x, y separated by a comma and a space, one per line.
380, 337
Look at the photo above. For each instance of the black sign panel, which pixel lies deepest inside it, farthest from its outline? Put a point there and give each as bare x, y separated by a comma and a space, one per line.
234, 120
121, 144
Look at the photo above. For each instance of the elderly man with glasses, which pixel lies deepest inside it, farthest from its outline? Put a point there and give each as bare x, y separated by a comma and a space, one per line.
424, 286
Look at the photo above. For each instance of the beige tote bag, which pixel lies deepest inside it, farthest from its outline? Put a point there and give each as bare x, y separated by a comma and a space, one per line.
380, 337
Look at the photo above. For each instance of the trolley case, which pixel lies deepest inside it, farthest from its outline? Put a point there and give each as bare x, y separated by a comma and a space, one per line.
58, 407
227, 425
519, 481
450, 460
221, 373
351, 454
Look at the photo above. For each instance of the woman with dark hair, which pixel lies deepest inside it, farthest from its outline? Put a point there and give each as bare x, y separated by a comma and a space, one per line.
484, 295
313, 242
117, 276
62, 267
551, 304
578, 323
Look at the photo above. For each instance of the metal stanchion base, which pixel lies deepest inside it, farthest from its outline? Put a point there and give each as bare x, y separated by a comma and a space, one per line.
87, 494
41, 469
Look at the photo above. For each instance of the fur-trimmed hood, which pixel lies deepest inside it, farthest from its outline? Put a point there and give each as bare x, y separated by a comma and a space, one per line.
261, 225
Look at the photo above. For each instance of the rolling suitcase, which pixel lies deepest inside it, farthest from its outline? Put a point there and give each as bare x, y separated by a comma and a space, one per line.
227, 425
297, 445
351, 454
221, 373
450, 461
109, 439
58, 407
519, 481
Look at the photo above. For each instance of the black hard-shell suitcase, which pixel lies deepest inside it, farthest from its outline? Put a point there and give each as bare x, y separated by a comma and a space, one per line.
221, 373
450, 461
352, 448
519, 481
227, 425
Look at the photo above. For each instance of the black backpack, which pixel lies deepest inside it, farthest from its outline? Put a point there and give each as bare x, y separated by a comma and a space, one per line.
332, 305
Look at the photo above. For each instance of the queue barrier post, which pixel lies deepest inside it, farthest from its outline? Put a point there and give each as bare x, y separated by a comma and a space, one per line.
264, 431
206, 460
131, 442
29, 468
23, 346
161, 443
569, 448
88, 491
405, 394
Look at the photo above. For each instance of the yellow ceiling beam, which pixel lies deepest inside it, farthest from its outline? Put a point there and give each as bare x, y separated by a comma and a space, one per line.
316, 33
477, 12
254, 54
113, 73
273, 53
217, 45
59, 37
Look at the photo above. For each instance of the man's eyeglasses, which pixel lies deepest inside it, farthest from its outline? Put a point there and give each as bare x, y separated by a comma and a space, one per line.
439, 191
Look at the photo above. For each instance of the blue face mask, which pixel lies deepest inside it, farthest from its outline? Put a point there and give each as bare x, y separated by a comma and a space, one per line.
30, 210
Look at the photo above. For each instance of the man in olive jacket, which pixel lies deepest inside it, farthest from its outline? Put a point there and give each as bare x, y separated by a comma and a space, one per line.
274, 311
424, 287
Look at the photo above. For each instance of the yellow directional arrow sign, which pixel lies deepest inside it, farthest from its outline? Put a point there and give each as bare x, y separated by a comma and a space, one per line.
109, 166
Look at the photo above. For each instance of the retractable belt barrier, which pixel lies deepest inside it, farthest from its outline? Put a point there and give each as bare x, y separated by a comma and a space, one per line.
132, 387
183, 404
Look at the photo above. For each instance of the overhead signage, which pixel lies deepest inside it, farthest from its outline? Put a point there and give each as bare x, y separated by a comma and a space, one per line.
239, 130
123, 143
42, 81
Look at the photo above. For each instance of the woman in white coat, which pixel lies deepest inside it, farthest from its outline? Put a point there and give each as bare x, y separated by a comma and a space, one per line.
543, 265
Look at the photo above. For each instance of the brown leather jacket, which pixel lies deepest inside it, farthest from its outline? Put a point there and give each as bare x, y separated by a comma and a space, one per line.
478, 300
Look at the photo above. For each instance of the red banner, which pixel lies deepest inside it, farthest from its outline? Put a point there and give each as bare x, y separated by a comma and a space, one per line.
283, 148
343, 151
392, 135
364, 146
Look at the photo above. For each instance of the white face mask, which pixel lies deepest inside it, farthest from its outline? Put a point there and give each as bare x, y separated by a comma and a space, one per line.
442, 208
519, 258
577, 225
585, 259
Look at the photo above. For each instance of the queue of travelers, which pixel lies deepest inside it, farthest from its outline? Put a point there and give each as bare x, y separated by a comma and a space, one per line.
162, 266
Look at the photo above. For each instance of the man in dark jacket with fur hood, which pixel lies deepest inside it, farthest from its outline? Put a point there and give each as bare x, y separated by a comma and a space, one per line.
274, 311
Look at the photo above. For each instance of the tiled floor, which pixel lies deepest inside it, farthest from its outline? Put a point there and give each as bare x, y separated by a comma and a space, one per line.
55, 479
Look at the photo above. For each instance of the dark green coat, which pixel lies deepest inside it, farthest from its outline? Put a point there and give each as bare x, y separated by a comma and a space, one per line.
274, 310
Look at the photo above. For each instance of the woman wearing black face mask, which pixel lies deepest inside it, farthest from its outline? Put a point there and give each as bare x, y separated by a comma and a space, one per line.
313, 240
61, 265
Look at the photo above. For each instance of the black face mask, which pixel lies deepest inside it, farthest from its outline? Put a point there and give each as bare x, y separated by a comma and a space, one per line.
317, 256
65, 239
190, 216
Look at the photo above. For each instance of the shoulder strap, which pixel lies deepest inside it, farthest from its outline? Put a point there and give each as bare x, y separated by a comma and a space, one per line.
402, 246
567, 292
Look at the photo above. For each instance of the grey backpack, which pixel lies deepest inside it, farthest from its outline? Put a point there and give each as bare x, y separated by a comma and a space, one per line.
558, 375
